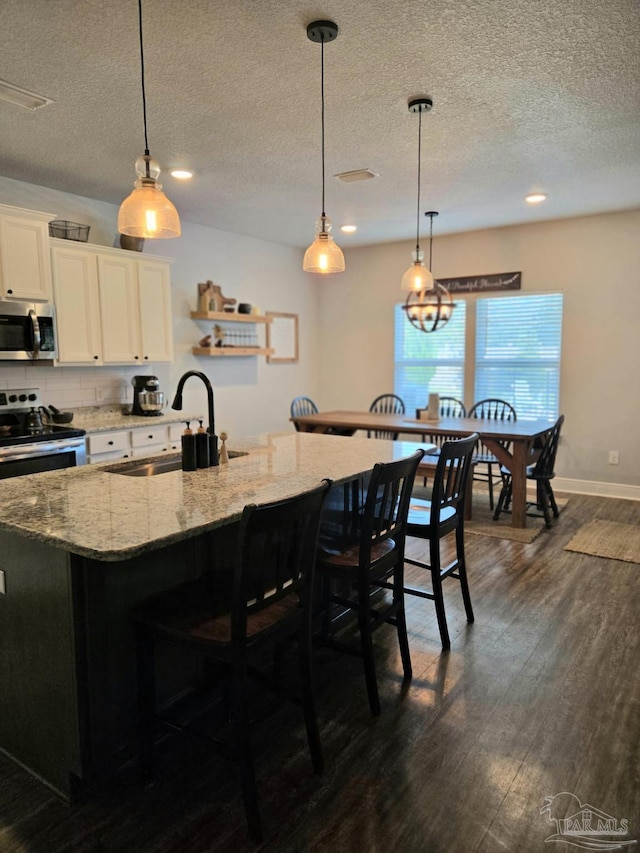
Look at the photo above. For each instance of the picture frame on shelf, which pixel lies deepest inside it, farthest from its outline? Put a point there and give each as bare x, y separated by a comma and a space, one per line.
282, 338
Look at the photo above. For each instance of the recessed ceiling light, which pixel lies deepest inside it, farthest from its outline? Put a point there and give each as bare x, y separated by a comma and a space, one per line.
21, 97
349, 229
535, 198
181, 174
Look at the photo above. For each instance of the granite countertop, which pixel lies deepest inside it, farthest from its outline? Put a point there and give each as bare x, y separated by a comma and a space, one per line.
106, 418
107, 516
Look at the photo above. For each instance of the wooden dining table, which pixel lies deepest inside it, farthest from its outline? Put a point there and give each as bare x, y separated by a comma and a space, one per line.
511, 442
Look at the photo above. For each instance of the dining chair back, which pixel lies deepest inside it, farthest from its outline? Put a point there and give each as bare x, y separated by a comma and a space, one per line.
269, 604
370, 556
542, 471
301, 406
495, 410
387, 404
433, 520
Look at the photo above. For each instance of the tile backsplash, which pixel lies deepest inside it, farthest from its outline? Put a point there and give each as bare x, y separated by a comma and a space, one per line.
71, 387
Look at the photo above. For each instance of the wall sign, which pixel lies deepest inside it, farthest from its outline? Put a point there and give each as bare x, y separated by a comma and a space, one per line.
483, 283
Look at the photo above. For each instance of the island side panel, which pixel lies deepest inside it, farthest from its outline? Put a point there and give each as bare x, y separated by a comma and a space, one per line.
39, 724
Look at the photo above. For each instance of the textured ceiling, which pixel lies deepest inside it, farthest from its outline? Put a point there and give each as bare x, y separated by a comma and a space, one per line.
527, 95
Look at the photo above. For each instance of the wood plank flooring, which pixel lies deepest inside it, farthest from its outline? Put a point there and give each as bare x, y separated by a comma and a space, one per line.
540, 695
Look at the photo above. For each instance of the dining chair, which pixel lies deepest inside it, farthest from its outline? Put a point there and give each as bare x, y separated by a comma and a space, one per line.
433, 520
542, 471
301, 406
494, 410
268, 605
370, 556
387, 404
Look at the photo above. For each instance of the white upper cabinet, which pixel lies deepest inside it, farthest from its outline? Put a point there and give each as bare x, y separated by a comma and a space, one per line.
77, 300
119, 315
112, 306
154, 303
25, 267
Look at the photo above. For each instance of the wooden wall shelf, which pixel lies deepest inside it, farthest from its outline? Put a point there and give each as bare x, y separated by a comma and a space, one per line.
227, 317
232, 351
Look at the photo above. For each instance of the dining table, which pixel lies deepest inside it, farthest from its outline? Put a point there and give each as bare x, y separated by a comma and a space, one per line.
513, 443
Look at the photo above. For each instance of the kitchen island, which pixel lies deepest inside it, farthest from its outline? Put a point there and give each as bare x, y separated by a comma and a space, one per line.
80, 548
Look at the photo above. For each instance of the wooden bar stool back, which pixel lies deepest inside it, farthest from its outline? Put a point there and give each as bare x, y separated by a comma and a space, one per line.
434, 519
270, 605
371, 558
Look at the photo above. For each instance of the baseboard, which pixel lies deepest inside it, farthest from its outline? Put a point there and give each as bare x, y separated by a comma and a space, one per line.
592, 487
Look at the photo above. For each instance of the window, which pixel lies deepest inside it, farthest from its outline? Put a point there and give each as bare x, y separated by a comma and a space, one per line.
518, 353
429, 363
516, 356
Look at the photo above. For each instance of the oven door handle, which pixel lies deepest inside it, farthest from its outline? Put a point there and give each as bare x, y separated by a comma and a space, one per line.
37, 341
41, 448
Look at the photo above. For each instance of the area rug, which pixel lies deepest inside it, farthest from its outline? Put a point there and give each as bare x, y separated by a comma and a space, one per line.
482, 523
607, 539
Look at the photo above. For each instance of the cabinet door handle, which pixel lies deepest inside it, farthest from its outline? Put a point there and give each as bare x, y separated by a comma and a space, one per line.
136, 357
109, 442
9, 291
149, 436
96, 357
146, 358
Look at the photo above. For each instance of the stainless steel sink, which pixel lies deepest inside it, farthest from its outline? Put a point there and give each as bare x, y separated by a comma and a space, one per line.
162, 465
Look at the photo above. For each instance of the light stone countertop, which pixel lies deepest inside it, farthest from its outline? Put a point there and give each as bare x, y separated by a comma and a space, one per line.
107, 418
109, 516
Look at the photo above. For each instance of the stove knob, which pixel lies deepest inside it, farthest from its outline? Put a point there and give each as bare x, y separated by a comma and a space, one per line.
22, 398
12, 398
33, 396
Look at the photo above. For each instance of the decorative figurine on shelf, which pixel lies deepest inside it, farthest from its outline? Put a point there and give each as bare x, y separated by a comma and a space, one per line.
219, 334
217, 300
224, 454
205, 295
205, 343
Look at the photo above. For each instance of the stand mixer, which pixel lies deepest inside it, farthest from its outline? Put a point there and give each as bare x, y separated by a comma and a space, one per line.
147, 399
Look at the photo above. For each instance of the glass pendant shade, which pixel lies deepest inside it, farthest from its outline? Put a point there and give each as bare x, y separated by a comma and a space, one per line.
147, 212
323, 255
418, 277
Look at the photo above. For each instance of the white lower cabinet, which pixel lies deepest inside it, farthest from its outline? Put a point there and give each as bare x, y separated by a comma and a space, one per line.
111, 308
139, 442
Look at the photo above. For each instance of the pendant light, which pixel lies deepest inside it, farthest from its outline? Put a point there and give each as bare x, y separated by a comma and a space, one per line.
428, 305
430, 308
323, 255
147, 212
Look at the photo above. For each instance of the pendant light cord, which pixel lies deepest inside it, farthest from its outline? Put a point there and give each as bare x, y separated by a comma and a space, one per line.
430, 241
144, 94
322, 94
419, 160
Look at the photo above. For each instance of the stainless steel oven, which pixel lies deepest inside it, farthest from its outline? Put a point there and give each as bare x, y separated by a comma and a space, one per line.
27, 331
27, 444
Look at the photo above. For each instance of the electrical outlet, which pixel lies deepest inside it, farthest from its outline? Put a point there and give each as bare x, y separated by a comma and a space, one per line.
614, 457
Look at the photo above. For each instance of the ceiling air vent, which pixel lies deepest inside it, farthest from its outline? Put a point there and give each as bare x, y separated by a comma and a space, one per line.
357, 175
11, 94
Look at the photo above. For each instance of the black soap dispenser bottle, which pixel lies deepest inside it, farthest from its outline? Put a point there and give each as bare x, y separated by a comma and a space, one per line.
189, 462
202, 447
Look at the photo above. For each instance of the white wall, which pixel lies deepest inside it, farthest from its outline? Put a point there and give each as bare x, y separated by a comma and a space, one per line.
250, 395
594, 261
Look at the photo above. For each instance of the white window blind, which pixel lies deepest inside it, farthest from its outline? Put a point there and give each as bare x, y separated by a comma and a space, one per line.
429, 363
518, 345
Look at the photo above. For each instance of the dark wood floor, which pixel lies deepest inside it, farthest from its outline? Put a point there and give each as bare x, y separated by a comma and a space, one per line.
541, 695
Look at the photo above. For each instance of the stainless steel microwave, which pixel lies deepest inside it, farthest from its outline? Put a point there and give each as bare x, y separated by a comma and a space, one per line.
27, 331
